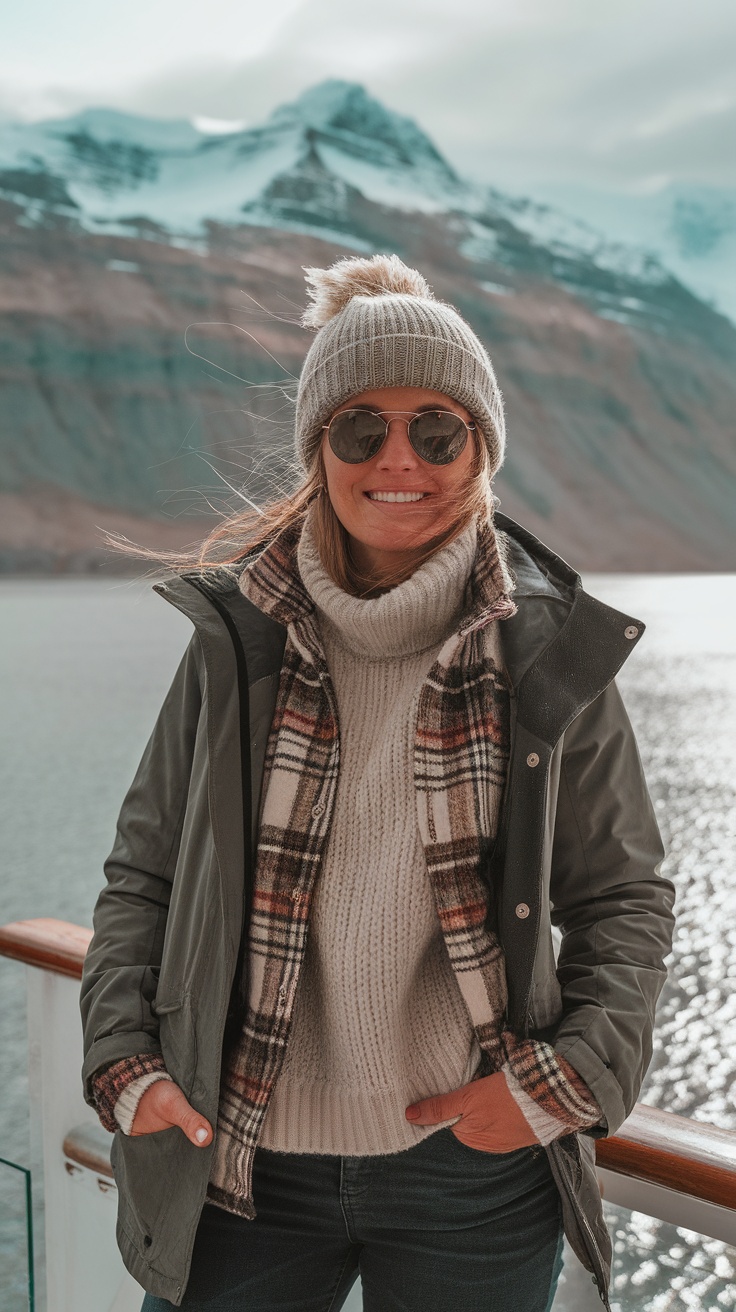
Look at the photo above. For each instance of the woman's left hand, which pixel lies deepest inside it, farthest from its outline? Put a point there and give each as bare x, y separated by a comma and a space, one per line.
490, 1117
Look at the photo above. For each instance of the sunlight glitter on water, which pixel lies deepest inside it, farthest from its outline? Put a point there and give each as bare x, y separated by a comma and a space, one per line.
84, 665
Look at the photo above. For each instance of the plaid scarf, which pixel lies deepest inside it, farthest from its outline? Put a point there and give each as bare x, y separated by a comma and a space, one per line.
461, 756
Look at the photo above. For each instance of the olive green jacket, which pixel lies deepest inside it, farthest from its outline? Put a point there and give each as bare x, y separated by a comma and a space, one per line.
578, 848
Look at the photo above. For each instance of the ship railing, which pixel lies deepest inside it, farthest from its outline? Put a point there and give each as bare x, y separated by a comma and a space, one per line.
669, 1167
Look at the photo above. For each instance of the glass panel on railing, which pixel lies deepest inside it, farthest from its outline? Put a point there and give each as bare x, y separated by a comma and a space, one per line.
657, 1267
16, 1238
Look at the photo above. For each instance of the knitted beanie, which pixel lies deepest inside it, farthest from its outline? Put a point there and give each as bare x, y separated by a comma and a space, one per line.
380, 326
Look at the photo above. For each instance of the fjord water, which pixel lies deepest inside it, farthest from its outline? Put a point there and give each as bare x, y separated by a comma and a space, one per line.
84, 666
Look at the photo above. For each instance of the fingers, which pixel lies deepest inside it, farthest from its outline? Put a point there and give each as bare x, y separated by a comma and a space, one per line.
195, 1127
442, 1107
490, 1119
164, 1105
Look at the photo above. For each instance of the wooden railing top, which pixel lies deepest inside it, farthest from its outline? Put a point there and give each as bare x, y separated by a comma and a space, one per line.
689, 1156
54, 945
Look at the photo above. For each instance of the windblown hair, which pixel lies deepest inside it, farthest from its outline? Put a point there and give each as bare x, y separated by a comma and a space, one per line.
246, 533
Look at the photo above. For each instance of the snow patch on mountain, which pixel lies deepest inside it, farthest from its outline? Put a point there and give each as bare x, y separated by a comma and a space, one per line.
690, 229
565, 235
411, 190
112, 125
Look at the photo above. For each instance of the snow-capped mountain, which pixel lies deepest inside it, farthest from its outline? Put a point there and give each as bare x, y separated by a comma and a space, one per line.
113, 172
152, 274
107, 168
302, 169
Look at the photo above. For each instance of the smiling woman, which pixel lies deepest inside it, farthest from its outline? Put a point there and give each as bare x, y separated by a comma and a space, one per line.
322, 996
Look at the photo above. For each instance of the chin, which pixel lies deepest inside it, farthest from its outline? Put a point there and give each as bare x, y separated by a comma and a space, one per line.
398, 541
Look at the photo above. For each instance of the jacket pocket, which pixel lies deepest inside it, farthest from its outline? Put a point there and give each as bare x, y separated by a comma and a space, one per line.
178, 1039
142, 1167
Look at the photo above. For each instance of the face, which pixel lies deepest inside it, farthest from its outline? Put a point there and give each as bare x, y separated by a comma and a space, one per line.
385, 534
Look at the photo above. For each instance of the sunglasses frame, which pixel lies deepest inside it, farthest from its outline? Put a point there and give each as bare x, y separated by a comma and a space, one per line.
470, 427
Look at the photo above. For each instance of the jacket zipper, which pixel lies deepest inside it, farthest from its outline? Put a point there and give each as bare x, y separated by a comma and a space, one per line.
245, 774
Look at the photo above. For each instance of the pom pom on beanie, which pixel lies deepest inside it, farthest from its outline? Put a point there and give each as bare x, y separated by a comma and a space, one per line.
330, 290
379, 325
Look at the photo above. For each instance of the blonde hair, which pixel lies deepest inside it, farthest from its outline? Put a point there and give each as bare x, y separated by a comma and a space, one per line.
247, 532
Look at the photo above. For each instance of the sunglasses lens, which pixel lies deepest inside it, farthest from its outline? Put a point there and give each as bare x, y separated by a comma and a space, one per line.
438, 436
356, 435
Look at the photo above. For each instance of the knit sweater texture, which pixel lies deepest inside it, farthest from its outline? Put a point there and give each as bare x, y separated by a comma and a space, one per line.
379, 1021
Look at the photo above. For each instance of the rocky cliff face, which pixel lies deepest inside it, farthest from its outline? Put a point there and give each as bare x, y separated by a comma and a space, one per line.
143, 378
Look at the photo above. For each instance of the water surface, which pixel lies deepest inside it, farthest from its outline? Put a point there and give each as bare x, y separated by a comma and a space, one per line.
84, 666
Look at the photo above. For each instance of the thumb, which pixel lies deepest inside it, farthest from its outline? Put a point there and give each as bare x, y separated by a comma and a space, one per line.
197, 1129
442, 1107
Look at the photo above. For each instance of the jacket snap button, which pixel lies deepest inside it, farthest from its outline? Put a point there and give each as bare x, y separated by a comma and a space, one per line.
522, 911
532, 759
147, 1241
317, 809
631, 631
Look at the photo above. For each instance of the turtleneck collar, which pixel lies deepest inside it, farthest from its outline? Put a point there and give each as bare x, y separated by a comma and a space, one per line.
415, 615
272, 580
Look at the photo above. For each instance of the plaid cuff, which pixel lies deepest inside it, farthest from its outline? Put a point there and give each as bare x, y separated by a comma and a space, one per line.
110, 1082
552, 1097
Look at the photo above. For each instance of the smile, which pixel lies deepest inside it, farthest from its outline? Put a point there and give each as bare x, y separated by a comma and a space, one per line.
397, 496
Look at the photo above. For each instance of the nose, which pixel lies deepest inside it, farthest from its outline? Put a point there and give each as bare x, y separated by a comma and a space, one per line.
397, 451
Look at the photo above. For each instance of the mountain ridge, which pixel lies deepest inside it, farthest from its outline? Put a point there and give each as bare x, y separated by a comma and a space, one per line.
620, 384
397, 164
386, 155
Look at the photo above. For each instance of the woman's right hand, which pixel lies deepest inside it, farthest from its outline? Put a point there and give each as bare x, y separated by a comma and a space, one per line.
164, 1105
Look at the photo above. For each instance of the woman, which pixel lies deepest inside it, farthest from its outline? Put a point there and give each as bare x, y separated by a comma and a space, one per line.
321, 1004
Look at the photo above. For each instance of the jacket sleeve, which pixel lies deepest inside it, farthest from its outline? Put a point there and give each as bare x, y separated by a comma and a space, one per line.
613, 908
120, 974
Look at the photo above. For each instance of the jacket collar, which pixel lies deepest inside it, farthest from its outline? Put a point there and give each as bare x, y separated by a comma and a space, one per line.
562, 647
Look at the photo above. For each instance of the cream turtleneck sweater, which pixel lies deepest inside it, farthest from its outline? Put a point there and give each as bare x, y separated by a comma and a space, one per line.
379, 1021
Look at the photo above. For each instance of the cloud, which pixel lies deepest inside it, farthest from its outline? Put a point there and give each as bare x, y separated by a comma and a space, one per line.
510, 90
603, 100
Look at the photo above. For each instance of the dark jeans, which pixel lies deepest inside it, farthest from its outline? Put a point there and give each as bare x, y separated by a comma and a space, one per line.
436, 1228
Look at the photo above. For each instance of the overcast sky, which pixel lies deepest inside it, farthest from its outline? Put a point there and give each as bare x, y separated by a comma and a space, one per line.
627, 95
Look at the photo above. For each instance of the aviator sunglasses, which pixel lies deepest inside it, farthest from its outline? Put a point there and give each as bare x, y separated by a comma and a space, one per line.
437, 436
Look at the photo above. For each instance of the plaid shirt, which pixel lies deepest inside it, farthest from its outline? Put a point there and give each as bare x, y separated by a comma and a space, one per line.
461, 753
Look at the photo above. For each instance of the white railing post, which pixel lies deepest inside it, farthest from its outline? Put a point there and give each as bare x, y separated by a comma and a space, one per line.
78, 1266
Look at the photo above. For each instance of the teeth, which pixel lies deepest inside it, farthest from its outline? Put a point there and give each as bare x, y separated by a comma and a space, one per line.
397, 496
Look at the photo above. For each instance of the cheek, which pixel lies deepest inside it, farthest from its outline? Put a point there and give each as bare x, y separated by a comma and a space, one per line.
339, 476
454, 478
340, 479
